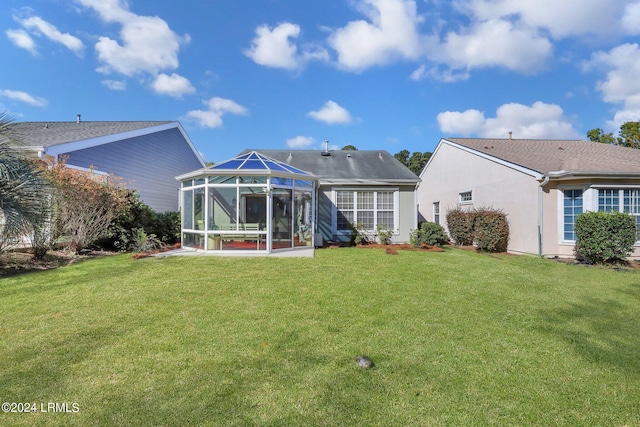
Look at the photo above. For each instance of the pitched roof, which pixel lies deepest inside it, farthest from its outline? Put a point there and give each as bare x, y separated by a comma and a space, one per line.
567, 156
341, 166
256, 161
48, 134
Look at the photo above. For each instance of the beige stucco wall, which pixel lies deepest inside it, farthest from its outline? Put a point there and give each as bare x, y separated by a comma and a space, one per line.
452, 171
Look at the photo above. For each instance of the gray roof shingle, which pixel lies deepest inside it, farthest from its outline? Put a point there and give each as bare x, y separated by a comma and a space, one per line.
48, 134
346, 165
570, 156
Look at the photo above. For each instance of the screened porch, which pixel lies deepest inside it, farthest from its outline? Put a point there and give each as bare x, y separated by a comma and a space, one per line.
248, 204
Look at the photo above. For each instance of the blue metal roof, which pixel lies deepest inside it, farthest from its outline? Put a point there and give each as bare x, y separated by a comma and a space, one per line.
255, 161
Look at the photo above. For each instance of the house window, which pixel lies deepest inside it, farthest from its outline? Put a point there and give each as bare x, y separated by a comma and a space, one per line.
466, 197
369, 209
632, 207
572, 208
436, 212
609, 201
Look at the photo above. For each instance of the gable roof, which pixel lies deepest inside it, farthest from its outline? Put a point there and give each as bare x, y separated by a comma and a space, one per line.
56, 138
48, 134
346, 166
558, 157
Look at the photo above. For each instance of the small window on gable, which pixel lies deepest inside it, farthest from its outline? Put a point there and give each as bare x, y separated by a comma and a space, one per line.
466, 197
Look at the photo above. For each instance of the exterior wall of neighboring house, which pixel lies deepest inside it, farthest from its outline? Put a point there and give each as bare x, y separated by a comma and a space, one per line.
452, 173
531, 208
148, 163
405, 213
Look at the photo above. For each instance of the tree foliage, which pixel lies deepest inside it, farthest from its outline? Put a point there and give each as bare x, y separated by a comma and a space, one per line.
22, 187
415, 161
349, 147
85, 204
628, 135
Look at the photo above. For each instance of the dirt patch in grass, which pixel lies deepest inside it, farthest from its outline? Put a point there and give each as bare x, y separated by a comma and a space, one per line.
19, 262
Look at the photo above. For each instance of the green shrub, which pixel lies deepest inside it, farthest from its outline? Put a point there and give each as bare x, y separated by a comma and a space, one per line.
383, 235
143, 242
490, 230
460, 225
429, 233
604, 237
122, 231
359, 235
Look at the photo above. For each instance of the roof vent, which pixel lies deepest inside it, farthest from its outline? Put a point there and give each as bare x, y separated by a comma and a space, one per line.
326, 151
78, 118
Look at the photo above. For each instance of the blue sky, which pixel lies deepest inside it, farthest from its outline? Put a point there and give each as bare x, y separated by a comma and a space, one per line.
377, 74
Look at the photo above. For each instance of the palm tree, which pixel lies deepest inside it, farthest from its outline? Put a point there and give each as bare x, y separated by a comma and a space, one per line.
22, 186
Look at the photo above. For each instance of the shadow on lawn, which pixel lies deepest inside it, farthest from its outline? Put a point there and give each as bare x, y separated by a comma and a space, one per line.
39, 369
601, 331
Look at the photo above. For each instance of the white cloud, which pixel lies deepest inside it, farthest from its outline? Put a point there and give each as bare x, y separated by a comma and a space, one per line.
174, 85
276, 48
495, 43
538, 121
115, 84
39, 26
147, 44
331, 113
217, 107
561, 18
390, 34
272, 48
300, 142
631, 18
17, 95
621, 86
464, 123
22, 39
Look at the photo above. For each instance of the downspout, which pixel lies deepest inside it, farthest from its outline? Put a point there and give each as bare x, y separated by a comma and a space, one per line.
316, 222
544, 182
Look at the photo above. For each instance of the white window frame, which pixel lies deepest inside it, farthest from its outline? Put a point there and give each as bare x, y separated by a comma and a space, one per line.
621, 207
590, 203
436, 212
355, 190
462, 199
586, 206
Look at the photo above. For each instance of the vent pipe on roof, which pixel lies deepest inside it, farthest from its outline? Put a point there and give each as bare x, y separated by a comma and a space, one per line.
510, 135
78, 118
326, 151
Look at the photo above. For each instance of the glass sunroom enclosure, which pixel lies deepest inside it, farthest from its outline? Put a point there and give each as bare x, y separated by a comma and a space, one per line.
249, 204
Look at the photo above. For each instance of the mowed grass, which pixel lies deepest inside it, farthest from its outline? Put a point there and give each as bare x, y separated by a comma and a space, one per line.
457, 338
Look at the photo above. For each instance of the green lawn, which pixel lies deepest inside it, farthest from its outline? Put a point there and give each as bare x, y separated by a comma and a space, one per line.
457, 338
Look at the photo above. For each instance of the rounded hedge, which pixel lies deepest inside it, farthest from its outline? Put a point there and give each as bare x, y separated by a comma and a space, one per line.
604, 237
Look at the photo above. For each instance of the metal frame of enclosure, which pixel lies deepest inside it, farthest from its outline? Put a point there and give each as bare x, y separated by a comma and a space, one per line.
251, 204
